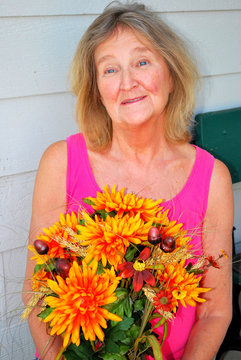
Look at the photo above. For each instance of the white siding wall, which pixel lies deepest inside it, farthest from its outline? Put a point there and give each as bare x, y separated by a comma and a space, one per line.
37, 42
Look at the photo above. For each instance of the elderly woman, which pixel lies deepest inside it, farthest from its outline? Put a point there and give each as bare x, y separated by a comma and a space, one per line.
134, 83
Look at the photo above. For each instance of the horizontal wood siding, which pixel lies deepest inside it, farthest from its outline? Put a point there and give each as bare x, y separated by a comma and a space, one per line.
29, 125
37, 51
73, 7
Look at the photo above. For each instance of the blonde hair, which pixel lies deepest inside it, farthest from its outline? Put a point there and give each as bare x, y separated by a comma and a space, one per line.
91, 115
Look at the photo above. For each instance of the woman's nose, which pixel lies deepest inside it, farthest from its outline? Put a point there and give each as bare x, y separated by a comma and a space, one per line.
128, 79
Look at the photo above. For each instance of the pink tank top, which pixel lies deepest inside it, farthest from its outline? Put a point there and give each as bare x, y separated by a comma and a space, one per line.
188, 206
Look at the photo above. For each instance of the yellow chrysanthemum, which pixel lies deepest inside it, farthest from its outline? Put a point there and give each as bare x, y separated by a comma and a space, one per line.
59, 229
79, 305
184, 285
109, 239
121, 202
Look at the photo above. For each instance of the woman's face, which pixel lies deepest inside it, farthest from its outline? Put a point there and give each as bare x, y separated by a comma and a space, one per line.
133, 79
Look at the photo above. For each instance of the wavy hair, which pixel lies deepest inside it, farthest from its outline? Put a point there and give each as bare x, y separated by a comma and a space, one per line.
91, 115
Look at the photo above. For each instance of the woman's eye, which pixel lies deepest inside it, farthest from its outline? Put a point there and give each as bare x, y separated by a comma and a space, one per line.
109, 71
143, 62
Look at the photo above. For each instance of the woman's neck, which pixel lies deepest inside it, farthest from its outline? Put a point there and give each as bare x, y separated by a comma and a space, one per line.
142, 145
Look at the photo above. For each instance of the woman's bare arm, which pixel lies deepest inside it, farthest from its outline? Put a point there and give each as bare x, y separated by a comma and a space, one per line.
214, 316
49, 200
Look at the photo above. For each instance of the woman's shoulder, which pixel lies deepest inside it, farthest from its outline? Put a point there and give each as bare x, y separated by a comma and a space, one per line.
53, 165
221, 175
55, 156
50, 184
55, 149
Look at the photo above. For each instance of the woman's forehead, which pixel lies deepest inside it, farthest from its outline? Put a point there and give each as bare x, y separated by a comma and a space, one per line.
125, 37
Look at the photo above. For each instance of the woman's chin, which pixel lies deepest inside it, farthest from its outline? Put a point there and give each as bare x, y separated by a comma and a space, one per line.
136, 122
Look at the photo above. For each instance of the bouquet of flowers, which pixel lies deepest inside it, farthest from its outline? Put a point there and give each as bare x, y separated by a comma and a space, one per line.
103, 277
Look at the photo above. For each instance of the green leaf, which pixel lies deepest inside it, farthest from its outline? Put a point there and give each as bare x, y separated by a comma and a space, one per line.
100, 268
116, 334
88, 201
134, 331
112, 213
108, 356
81, 221
164, 333
46, 312
70, 355
131, 335
83, 351
121, 293
48, 267
196, 271
125, 324
160, 322
156, 347
155, 315
123, 304
130, 253
38, 267
112, 346
139, 304
124, 349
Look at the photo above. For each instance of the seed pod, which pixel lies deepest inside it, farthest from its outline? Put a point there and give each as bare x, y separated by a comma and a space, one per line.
168, 244
154, 236
41, 247
62, 267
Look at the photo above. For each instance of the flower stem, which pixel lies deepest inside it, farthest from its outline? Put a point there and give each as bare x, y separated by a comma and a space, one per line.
60, 353
145, 318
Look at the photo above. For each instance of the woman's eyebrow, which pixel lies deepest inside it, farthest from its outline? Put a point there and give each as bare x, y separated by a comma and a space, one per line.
104, 58
141, 49
138, 49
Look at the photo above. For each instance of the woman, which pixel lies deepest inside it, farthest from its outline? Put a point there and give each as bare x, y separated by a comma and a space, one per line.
135, 82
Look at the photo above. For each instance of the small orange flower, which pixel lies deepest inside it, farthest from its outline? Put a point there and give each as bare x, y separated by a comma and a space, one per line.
163, 301
183, 285
40, 279
109, 239
49, 235
212, 262
79, 304
121, 203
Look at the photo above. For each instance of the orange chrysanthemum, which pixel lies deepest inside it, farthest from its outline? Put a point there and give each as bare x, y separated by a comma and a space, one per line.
121, 203
80, 301
57, 230
183, 285
109, 239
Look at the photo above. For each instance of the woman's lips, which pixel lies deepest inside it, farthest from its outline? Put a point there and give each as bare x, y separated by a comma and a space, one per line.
134, 100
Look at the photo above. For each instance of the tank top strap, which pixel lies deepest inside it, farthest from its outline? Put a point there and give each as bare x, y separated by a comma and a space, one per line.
80, 182
190, 204
201, 177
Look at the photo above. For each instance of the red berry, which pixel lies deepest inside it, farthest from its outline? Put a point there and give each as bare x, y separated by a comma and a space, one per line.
62, 267
154, 236
168, 244
41, 247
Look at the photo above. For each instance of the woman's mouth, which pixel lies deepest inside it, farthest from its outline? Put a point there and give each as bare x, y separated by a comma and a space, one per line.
130, 101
